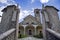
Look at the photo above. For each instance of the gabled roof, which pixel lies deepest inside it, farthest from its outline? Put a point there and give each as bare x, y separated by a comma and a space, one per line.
29, 16
51, 7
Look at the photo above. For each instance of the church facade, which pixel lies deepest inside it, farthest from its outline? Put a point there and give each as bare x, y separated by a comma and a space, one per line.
31, 25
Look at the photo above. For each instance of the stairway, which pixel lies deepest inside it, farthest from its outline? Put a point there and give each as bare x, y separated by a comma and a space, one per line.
30, 38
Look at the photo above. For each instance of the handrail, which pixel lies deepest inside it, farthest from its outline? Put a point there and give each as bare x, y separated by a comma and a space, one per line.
53, 32
6, 33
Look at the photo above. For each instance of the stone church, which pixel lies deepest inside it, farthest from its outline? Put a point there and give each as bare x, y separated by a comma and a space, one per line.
31, 25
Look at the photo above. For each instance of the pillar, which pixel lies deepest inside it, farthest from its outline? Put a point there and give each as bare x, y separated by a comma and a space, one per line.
24, 29
35, 29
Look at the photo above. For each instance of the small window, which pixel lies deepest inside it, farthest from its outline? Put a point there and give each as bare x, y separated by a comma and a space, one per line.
32, 23
27, 23
19, 31
49, 25
37, 11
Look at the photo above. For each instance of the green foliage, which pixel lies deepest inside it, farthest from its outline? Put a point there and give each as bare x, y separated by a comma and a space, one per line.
39, 36
21, 36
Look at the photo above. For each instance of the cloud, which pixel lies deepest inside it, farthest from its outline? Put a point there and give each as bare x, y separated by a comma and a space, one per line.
44, 1
2, 7
32, 1
4, 3
0, 14
8, 2
24, 13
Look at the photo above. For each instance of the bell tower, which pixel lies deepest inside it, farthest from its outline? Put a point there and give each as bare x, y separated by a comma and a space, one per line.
37, 15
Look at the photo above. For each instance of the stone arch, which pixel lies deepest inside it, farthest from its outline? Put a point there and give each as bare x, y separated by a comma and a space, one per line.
21, 29
38, 29
30, 30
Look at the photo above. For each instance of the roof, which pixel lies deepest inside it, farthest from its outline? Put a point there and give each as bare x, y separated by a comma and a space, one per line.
7, 7
30, 19
52, 7
26, 20
37, 9
29, 16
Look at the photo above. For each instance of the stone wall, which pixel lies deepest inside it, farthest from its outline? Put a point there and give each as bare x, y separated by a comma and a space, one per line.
9, 21
6, 20
52, 35
8, 35
53, 18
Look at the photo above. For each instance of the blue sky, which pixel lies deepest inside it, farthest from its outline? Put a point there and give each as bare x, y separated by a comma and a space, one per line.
27, 6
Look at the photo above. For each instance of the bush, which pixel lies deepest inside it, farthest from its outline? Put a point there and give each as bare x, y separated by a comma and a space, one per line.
39, 36
21, 36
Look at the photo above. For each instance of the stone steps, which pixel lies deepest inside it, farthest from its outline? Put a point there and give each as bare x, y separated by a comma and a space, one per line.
30, 38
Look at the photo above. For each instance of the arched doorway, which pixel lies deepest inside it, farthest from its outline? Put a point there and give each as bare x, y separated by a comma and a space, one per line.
21, 30
30, 30
39, 29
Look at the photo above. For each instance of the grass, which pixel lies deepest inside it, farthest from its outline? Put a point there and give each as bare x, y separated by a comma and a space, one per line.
21, 36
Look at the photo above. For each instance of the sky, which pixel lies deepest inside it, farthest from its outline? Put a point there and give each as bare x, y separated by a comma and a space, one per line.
27, 6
